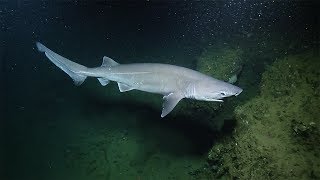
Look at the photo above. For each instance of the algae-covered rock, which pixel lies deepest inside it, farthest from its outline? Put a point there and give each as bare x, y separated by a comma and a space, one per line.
220, 63
278, 132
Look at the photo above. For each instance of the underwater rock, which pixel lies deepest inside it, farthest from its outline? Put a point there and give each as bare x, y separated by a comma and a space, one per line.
277, 133
220, 63
233, 79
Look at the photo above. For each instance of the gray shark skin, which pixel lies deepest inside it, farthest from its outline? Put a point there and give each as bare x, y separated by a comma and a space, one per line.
173, 82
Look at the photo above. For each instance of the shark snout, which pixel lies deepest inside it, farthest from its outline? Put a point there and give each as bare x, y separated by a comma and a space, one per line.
238, 92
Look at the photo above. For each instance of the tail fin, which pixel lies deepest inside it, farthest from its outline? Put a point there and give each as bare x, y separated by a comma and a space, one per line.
71, 68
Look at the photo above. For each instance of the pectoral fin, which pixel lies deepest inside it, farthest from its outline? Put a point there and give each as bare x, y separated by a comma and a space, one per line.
170, 101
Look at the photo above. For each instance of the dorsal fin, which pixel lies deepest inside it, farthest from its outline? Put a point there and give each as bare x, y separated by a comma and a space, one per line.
108, 62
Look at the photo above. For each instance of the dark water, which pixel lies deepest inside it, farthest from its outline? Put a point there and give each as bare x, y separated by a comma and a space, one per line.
51, 129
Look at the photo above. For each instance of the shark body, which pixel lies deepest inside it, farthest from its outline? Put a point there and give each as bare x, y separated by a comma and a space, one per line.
173, 82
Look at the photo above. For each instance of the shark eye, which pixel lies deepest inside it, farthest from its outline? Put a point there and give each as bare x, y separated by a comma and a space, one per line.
223, 94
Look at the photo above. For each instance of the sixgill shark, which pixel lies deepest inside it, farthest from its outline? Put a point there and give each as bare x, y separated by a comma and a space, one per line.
173, 82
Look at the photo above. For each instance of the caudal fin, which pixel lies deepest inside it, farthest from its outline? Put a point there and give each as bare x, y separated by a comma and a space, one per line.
74, 70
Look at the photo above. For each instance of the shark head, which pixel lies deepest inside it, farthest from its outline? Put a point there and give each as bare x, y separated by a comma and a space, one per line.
213, 90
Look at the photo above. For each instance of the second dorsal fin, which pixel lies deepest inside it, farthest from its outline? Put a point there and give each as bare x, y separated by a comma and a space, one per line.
108, 62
